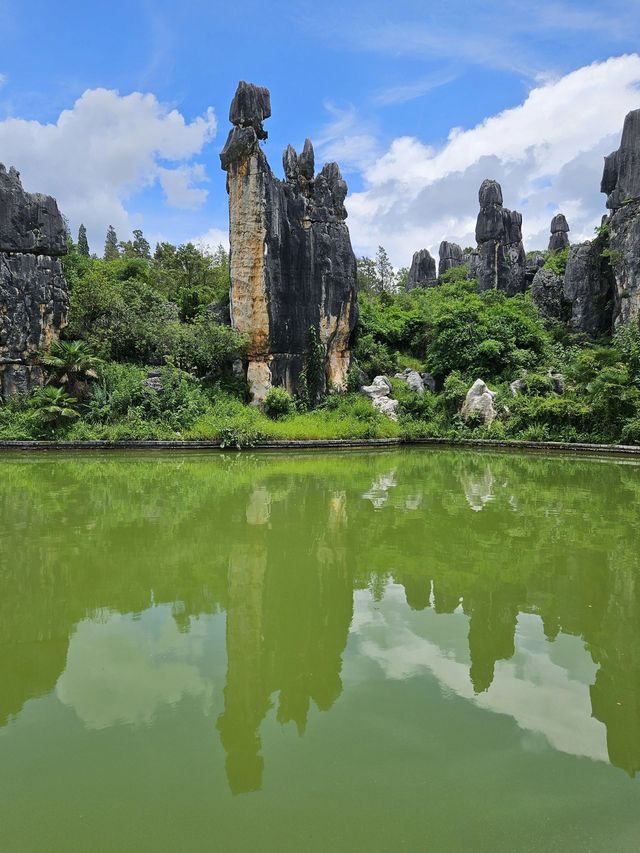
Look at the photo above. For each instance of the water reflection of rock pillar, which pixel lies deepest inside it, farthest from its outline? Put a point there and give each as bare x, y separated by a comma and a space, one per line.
246, 696
615, 695
492, 627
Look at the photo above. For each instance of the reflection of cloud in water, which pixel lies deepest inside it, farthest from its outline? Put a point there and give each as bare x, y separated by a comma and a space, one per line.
539, 694
123, 669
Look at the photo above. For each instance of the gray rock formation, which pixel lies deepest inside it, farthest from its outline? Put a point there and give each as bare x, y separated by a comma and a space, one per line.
451, 255
479, 401
33, 292
547, 292
559, 231
378, 392
413, 379
429, 382
292, 267
621, 182
534, 262
517, 387
423, 271
588, 287
501, 258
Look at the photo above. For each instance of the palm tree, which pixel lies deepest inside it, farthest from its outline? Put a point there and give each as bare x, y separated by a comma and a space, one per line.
53, 405
72, 364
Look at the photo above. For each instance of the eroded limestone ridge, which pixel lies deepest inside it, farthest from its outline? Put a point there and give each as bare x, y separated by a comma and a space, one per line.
33, 292
292, 265
423, 270
500, 262
621, 183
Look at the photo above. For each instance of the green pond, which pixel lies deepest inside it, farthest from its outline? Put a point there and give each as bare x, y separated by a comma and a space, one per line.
416, 650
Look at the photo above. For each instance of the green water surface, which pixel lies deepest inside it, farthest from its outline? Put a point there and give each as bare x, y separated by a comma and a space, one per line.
417, 650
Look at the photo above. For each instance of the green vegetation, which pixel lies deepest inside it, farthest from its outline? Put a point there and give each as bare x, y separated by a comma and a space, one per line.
146, 356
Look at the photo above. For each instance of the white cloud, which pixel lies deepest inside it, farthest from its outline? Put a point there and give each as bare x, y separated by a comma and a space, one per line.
410, 91
213, 238
3, 80
105, 150
547, 153
125, 669
180, 186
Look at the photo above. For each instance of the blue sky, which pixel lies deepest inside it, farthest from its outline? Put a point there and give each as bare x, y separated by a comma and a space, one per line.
380, 87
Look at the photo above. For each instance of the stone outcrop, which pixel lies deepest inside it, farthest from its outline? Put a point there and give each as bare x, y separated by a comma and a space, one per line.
501, 258
479, 401
559, 239
413, 380
547, 292
423, 271
451, 255
292, 267
33, 292
621, 182
534, 263
378, 392
588, 287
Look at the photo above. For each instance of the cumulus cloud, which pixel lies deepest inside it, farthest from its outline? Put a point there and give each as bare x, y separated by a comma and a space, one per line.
213, 238
181, 186
547, 153
104, 151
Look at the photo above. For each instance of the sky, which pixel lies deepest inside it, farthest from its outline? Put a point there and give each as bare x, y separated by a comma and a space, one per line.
120, 109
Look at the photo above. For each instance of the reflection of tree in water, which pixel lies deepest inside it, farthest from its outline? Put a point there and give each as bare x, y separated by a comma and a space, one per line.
281, 543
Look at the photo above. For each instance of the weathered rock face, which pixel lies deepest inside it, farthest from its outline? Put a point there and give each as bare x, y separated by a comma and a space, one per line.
621, 182
534, 263
451, 255
588, 287
378, 392
559, 231
292, 265
501, 258
33, 292
547, 292
479, 401
413, 379
423, 271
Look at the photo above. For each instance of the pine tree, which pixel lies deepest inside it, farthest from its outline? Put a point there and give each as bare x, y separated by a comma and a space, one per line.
83, 243
140, 246
384, 271
111, 250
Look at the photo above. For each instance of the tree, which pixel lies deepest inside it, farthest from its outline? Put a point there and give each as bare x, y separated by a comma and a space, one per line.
384, 271
402, 278
111, 250
72, 363
141, 247
53, 405
366, 276
83, 243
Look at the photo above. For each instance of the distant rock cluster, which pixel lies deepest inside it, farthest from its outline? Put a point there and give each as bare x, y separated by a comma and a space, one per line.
33, 292
599, 287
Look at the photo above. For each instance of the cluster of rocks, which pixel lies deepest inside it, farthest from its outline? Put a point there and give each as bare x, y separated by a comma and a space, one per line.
291, 264
379, 392
34, 297
600, 286
417, 382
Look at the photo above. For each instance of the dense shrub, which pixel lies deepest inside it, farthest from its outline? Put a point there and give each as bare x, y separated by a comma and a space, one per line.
278, 403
